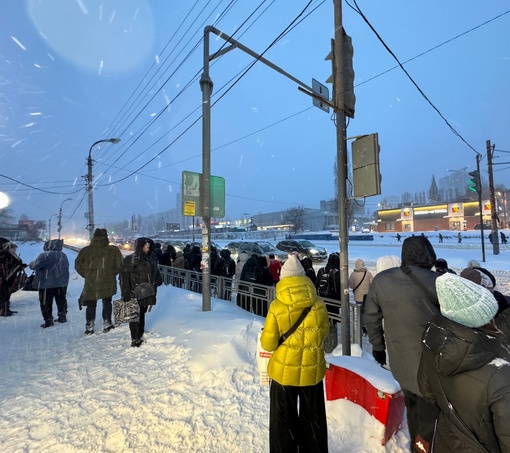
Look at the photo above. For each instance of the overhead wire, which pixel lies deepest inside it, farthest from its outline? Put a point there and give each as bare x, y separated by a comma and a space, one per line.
455, 132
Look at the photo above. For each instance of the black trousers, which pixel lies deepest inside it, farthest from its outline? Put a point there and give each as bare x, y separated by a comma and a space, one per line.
297, 419
90, 313
137, 329
421, 419
46, 296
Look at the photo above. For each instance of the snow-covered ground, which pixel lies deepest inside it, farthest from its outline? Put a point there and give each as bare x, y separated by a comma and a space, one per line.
192, 387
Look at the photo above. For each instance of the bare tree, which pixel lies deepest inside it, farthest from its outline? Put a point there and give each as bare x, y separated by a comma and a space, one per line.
6, 216
407, 197
295, 217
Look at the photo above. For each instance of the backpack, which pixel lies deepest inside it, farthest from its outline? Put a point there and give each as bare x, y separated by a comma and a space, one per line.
327, 285
323, 285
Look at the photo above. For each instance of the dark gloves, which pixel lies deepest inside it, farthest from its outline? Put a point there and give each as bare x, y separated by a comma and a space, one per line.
380, 357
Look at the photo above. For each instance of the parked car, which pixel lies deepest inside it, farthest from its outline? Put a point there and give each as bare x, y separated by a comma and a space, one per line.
213, 244
486, 226
304, 248
255, 248
178, 245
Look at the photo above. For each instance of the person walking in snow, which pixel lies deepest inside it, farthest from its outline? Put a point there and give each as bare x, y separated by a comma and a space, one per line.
139, 279
52, 277
297, 412
464, 370
359, 281
400, 302
99, 264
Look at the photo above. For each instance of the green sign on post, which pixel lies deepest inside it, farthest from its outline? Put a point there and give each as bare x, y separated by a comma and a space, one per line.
191, 194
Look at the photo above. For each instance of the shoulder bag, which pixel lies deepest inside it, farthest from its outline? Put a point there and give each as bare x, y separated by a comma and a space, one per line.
263, 356
144, 290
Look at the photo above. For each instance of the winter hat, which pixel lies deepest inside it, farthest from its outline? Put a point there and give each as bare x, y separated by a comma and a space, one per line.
387, 262
478, 277
473, 263
292, 268
465, 302
359, 263
418, 251
100, 232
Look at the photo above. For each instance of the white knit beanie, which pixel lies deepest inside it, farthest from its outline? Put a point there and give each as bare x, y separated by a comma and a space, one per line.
292, 268
465, 302
387, 262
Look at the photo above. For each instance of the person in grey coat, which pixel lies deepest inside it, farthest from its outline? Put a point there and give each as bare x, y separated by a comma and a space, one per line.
465, 370
52, 277
399, 304
99, 264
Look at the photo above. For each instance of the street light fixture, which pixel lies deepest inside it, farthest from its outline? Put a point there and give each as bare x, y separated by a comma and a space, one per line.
49, 225
90, 186
60, 216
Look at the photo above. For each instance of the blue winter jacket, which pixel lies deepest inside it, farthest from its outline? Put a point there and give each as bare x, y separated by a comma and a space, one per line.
52, 266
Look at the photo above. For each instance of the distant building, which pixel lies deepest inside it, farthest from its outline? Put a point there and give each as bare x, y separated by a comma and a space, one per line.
455, 216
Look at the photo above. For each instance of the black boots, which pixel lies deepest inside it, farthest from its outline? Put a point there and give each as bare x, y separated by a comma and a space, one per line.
89, 328
136, 343
47, 323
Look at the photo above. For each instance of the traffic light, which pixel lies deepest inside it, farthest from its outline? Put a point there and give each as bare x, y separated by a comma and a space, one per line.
365, 166
474, 181
348, 72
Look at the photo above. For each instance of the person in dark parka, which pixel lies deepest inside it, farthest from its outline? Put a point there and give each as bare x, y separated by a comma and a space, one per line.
465, 370
11, 268
398, 306
52, 277
140, 267
99, 264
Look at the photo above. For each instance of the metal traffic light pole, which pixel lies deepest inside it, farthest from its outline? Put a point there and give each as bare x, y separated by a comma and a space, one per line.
480, 207
494, 212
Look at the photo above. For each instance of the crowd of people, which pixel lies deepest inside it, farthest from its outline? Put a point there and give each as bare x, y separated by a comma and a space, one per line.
445, 337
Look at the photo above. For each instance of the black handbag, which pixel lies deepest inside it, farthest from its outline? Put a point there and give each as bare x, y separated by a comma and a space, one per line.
144, 290
31, 283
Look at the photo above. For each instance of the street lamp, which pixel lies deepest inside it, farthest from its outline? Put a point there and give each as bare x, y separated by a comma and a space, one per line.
49, 225
90, 187
60, 216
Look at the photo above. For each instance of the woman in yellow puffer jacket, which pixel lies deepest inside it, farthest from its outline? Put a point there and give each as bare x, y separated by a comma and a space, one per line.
297, 367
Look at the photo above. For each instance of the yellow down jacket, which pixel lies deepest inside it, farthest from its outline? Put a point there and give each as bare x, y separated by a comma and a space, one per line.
299, 360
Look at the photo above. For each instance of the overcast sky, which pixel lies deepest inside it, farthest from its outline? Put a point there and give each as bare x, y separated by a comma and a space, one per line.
74, 72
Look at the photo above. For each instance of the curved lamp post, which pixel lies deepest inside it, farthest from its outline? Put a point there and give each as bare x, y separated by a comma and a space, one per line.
90, 186
60, 216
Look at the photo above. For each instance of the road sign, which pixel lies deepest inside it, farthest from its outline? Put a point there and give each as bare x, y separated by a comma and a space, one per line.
189, 208
191, 194
322, 91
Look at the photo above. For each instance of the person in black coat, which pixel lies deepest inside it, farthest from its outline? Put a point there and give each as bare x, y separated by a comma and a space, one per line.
307, 264
248, 275
398, 306
11, 271
465, 370
139, 268
167, 256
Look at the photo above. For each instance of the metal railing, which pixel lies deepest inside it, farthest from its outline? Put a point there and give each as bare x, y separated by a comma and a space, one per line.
252, 297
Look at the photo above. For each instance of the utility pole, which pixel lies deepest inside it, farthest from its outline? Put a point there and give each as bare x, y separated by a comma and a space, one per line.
494, 212
338, 96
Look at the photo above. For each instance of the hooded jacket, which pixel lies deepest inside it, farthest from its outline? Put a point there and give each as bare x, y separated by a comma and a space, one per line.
98, 263
11, 266
51, 267
299, 360
140, 267
473, 368
405, 308
243, 257
360, 279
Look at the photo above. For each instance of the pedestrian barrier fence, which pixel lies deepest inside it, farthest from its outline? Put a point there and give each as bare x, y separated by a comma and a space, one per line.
253, 297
